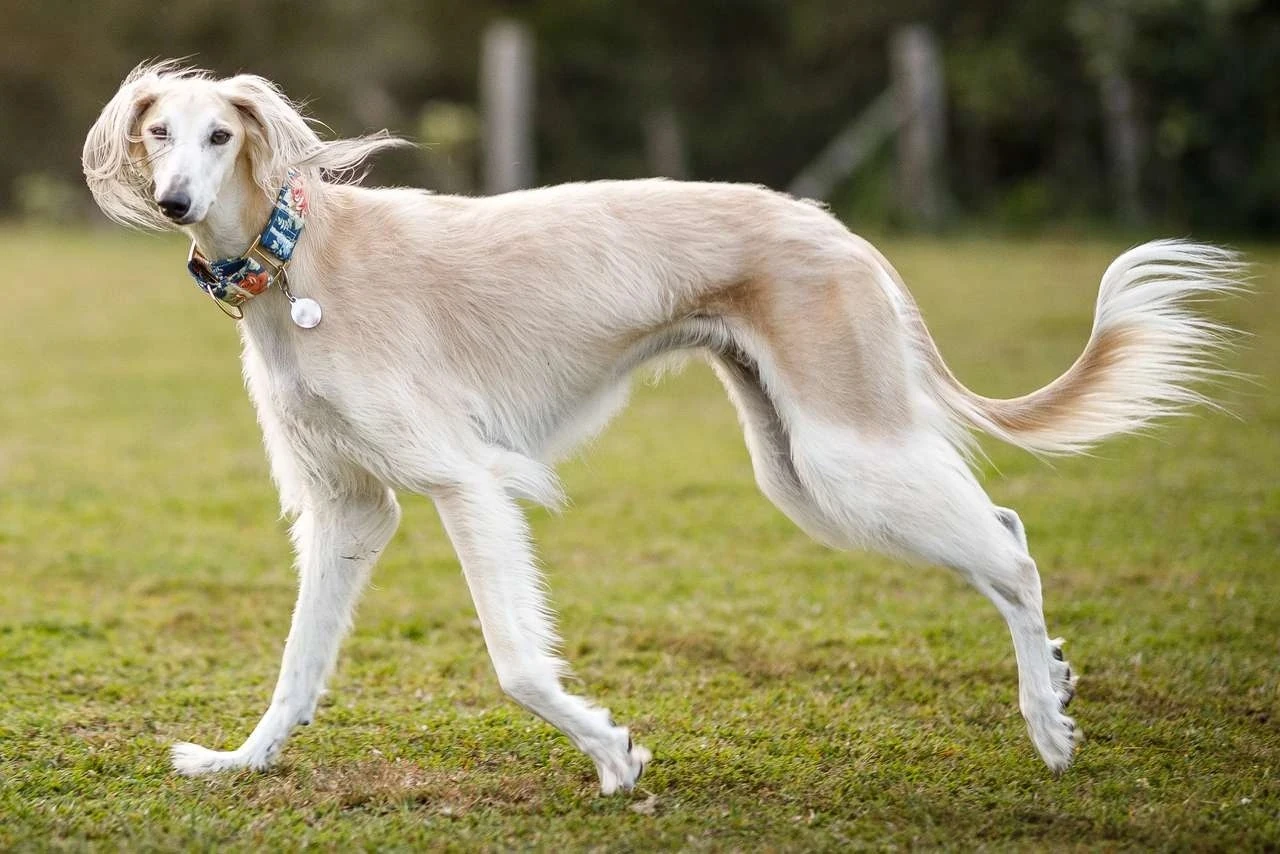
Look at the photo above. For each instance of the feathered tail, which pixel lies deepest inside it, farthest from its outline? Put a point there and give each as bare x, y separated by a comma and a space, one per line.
1147, 350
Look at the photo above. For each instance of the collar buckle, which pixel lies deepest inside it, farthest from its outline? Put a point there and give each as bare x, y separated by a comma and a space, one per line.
273, 265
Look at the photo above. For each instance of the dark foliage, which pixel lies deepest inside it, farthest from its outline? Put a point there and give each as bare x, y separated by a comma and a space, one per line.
759, 86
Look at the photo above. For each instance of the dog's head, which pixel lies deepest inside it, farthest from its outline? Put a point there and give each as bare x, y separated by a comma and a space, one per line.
173, 141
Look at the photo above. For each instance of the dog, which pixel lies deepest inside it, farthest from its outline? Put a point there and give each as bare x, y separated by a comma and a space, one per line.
457, 347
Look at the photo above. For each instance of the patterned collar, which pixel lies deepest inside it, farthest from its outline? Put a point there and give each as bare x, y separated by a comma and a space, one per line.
235, 281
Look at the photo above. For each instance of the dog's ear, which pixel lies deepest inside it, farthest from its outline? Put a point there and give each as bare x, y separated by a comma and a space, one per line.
112, 154
277, 136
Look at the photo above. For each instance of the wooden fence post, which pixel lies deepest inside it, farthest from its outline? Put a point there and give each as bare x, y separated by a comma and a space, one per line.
664, 144
1123, 144
852, 147
921, 101
506, 96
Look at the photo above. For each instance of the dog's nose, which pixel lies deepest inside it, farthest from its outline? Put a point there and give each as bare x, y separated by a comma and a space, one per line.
175, 205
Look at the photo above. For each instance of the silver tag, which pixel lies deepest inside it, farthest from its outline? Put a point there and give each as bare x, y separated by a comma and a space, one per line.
305, 312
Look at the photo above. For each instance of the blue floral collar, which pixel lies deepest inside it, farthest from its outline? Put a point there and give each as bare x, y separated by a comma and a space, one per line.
235, 281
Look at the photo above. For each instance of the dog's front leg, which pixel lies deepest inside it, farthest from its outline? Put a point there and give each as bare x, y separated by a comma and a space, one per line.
337, 543
491, 537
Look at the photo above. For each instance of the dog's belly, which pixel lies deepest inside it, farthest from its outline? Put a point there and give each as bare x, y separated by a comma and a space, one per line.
551, 426
573, 426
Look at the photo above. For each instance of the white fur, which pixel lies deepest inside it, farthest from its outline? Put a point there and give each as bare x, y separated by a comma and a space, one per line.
467, 343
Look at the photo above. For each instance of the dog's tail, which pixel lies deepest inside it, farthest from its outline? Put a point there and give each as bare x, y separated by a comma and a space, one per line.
1147, 350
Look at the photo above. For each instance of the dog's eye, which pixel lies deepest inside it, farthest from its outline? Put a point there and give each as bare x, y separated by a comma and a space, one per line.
220, 137
158, 131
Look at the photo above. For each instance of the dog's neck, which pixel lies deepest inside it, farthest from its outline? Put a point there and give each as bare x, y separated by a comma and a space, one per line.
234, 220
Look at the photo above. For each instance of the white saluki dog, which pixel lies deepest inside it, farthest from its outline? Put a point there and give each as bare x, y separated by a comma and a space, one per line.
466, 343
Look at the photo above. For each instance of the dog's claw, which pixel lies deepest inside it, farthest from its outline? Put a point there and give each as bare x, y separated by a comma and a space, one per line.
1071, 688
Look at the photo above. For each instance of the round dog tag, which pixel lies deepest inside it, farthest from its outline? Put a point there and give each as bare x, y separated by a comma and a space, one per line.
305, 312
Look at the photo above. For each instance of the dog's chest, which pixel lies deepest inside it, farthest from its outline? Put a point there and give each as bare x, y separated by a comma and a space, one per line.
299, 401
298, 394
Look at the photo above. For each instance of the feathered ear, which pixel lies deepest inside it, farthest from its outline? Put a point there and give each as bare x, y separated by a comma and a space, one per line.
279, 137
113, 151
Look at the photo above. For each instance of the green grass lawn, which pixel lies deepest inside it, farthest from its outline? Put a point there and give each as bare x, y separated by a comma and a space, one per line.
794, 697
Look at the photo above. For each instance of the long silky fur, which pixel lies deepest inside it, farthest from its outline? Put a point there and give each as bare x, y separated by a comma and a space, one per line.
1148, 357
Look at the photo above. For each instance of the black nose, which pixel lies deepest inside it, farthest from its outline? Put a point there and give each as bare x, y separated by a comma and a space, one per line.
175, 206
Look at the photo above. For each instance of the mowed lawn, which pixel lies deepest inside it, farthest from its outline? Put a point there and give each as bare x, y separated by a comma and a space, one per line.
794, 697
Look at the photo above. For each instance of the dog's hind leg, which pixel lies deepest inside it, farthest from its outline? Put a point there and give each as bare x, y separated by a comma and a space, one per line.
338, 541
491, 536
770, 446
914, 496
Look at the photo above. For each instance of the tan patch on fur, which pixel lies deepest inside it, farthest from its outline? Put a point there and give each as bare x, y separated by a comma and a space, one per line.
836, 344
1056, 402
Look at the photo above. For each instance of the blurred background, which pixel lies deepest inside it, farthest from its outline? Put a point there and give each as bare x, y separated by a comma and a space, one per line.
1001, 153
1154, 114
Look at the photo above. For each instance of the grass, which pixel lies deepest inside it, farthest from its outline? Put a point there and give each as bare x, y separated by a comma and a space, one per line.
795, 698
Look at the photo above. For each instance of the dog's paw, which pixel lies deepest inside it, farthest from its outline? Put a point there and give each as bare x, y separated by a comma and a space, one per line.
1064, 680
619, 761
192, 760
621, 772
1056, 737
1054, 734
